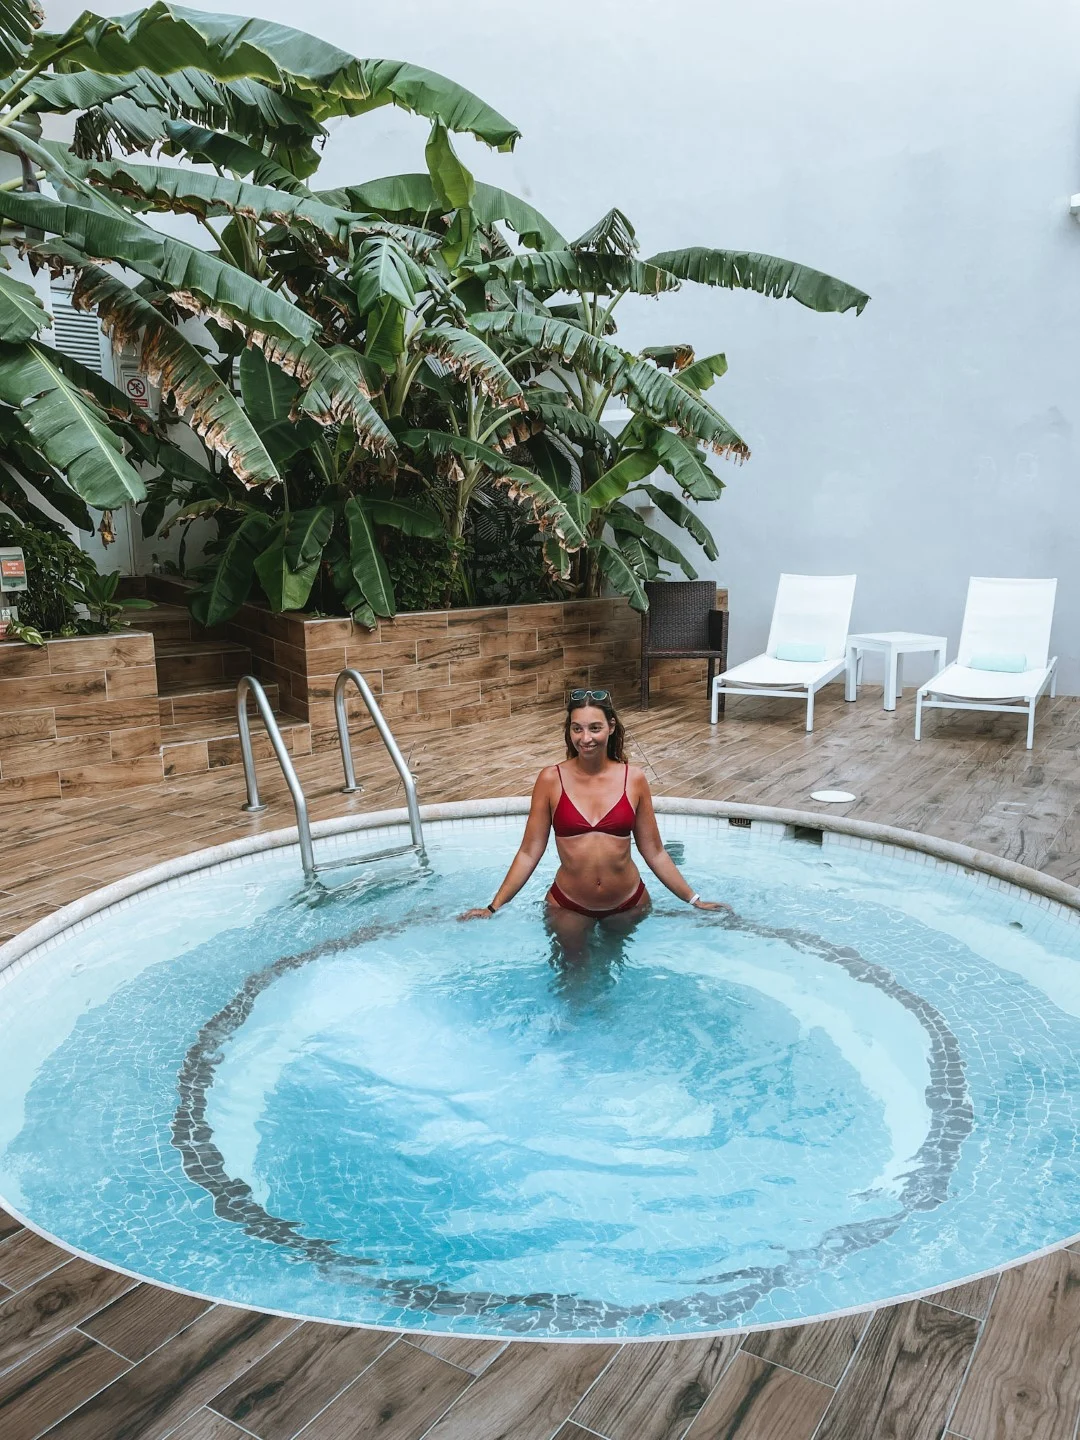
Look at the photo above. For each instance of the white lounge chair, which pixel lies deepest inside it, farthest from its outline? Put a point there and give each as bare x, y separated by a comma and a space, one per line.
807, 640
1002, 663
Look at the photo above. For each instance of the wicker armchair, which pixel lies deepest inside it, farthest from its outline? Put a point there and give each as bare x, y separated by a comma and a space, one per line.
682, 623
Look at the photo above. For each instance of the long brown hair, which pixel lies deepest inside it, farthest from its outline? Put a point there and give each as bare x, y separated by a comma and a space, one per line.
615, 739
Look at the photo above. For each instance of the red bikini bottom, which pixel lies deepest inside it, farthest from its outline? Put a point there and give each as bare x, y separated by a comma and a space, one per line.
567, 904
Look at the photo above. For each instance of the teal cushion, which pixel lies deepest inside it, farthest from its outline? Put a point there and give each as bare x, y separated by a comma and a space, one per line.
795, 651
1011, 663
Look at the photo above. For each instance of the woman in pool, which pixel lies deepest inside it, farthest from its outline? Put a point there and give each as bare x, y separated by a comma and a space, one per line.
597, 881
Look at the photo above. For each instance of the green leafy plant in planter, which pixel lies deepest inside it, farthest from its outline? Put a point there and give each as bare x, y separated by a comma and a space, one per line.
54, 567
406, 346
105, 613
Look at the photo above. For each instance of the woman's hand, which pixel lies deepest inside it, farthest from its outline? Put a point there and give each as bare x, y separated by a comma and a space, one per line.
713, 905
483, 913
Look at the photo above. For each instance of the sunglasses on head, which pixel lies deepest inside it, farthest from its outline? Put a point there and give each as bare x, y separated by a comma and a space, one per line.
577, 695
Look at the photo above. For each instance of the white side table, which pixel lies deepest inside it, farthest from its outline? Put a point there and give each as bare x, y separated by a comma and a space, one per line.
893, 644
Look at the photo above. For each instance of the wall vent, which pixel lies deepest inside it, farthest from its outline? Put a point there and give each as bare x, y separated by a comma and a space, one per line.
76, 333
739, 822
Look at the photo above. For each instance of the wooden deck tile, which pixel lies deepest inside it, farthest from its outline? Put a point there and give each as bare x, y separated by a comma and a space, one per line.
525, 1394
398, 1398
8, 1225
759, 1401
1024, 1382
570, 1431
904, 1377
653, 1391
970, 1299
820, 1352
25, 1257
205, 1425
279, 1394
52, 1382
143, 1319
54, 1304
472, 1355
153, 1397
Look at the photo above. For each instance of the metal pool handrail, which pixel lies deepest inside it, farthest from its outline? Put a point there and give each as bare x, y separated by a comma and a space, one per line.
247, 684
350, 787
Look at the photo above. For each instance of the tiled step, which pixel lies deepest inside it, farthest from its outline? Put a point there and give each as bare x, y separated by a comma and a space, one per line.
187, 704
192, 663
167, 623
192, 748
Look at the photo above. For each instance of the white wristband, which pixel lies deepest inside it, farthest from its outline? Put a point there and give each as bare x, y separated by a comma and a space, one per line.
693, 899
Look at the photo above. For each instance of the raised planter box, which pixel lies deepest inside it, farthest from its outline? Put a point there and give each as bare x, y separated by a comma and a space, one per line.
440, 669
78, 717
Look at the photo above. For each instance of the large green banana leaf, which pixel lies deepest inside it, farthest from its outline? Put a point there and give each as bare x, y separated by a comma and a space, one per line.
620, 573
18, 21
17, 451
231, 47
702, 373
549, 271
469, 358
653, 390
365, 560
564, 419
79, 90
454, 186
383, 267
666, 400
633, 466
269, 398
234, 572
682, 516
404, 515
384, 339
229, 152
554, 508
183, 269
625, 522
138, 117
286, 588
69, 430
767, 274
171, 360
414, 195
21, 312
194, 192
612, 234
683, 462
569, 343
334, 386
306, 535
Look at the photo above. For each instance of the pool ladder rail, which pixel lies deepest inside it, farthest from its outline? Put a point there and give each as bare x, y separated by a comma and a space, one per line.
248, 685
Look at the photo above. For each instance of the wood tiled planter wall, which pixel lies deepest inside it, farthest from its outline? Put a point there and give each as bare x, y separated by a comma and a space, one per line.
440, 669
78, 717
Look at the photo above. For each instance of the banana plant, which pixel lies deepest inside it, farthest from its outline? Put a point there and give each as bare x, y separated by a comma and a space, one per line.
132, 79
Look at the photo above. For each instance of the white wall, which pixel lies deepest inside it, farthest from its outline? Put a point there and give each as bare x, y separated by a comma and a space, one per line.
924, 150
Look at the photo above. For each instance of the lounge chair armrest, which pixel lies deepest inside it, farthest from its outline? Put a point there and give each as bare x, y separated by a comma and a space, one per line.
717, 622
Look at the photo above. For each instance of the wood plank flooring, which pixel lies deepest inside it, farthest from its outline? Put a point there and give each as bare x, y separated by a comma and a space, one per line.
86, 1354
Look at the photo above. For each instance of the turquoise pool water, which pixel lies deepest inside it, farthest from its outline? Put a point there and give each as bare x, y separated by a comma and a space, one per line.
864, 1085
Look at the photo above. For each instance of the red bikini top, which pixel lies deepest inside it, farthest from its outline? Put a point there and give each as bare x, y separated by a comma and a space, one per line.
619, 820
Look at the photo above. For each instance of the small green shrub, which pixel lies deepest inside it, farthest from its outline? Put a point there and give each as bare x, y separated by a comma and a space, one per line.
54, 564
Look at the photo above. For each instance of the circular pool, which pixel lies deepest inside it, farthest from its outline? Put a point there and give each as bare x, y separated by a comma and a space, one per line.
344, 1104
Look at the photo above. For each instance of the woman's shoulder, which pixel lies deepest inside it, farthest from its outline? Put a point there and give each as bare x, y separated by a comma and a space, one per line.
636, 778
549, 775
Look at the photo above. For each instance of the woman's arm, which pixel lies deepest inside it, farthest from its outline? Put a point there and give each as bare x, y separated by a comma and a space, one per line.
651, 849
533, 844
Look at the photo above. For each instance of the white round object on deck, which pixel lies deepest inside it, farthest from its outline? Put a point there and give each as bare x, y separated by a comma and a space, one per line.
832, 797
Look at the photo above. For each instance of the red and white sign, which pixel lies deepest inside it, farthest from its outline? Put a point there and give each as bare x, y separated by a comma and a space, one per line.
137, 391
